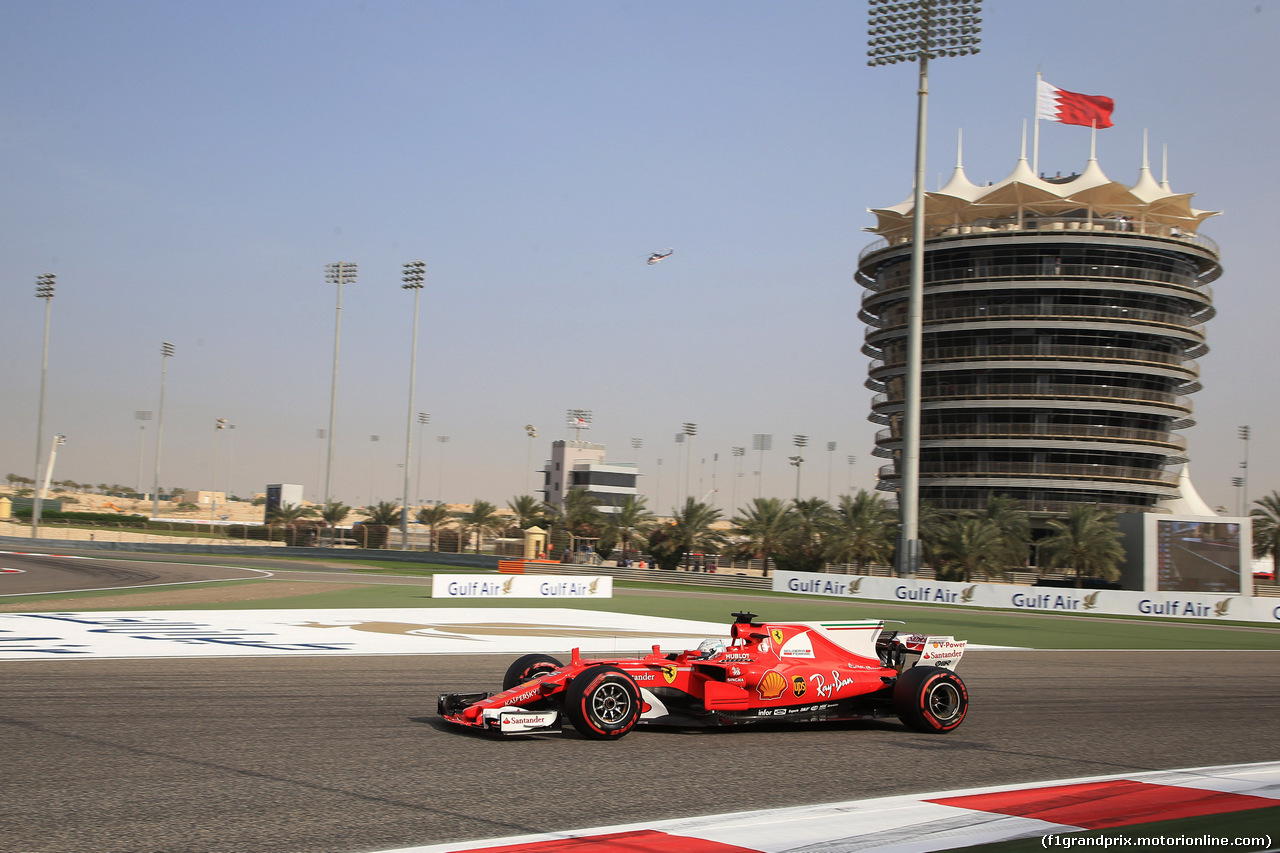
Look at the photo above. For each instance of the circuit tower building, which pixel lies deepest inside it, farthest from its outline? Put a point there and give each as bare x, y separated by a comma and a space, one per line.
1061, 322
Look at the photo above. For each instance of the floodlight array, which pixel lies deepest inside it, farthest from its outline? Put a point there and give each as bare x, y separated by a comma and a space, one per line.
340, 273
415, 273
908, 30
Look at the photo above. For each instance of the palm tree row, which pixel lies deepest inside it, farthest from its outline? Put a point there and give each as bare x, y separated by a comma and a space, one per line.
806, 535
800, 535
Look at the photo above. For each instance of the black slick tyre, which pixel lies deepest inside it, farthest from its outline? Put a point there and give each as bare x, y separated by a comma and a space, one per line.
527, 668
603, 703
930, 699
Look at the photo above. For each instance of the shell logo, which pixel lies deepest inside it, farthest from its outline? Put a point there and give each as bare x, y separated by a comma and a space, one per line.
773, 685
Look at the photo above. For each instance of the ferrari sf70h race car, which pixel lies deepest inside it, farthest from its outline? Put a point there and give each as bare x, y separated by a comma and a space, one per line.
768, 671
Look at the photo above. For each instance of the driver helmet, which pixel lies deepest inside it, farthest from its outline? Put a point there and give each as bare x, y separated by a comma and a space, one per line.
710, 648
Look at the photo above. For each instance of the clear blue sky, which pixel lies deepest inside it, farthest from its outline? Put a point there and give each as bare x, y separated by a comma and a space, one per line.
188, 169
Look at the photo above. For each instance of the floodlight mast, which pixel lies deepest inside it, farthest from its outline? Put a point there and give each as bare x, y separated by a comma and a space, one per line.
578, 420
338, 274
917, 31
415, 274
44, 290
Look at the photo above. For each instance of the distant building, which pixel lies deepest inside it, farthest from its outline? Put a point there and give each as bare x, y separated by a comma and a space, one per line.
582, 465
1061, 321
200, 497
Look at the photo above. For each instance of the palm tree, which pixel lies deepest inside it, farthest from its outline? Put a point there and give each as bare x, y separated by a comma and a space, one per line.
527, 510
806, 552
483, 518
1088, 541
578, 516
1010, 517
691, 530
379, 519
1266, 531
631, 520
333, 514
971, 544
383, 512
765, 526
287, 514
432, 517
931, 524
862, 531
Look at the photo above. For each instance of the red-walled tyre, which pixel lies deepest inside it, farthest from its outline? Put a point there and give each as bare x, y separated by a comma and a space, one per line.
603, 703
930, 699
527, 668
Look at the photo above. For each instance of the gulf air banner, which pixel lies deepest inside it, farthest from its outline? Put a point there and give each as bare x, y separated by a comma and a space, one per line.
497, 587
1047, 599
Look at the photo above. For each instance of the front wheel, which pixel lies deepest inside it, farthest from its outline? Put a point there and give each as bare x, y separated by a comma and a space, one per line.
527, 668
930, 699
603, 703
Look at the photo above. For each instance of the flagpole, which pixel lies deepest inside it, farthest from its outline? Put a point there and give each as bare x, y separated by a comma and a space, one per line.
1035, 157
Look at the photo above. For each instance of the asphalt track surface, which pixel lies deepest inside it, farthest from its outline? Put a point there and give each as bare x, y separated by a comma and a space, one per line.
42, 573
303, 755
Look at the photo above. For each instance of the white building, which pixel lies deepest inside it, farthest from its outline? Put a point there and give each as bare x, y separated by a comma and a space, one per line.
582, 465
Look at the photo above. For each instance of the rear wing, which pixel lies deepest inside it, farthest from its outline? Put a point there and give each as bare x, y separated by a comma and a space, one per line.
934, 651
903, 651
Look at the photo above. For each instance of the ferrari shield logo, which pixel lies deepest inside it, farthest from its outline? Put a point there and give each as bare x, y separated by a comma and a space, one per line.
669, 673
777, 635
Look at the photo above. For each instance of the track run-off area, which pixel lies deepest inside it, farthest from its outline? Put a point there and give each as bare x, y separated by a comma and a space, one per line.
308, 751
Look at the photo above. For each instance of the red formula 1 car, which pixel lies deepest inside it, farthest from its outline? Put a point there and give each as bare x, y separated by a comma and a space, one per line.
768, 671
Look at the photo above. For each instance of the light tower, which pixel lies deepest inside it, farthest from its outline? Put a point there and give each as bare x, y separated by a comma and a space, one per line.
800, 441
578, 420
689, 430
337, 274
166, 353
917, 31
414, 276
44, 290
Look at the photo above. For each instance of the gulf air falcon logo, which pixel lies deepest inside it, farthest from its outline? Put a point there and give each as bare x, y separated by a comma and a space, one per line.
669, 673
777, 635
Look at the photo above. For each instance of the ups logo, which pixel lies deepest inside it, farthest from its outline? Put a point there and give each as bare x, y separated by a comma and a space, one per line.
799, 686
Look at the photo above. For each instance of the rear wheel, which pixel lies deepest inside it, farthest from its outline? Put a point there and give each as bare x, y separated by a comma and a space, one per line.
602, 703
930, 699
527, 668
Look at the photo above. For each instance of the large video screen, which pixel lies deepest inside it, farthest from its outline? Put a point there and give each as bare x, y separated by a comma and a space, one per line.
1198, 556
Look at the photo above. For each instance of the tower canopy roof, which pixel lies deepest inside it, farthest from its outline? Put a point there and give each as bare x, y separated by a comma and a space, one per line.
1088, 197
